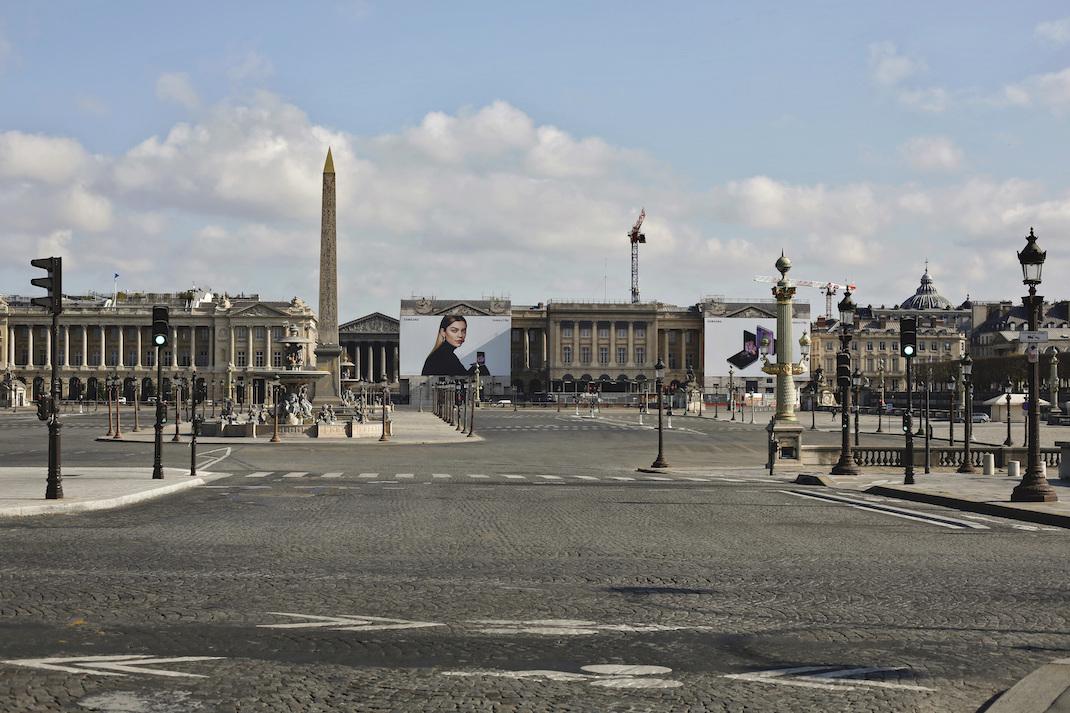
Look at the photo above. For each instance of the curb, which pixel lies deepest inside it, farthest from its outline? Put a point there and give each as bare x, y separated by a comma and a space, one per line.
60, 507
980, 507
203, 442
1037, 692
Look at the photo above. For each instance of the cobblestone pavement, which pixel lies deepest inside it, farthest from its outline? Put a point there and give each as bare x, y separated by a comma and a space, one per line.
384, 593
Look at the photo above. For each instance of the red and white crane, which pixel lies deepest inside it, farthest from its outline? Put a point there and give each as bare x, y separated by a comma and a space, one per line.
827, 288
636, 237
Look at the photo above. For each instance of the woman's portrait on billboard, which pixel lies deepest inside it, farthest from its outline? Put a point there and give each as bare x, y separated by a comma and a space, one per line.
442, 361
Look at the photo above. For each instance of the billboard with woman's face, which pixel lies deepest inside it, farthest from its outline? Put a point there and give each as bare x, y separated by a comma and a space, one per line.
449, 345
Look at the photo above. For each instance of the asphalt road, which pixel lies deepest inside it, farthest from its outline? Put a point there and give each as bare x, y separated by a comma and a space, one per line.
393, 578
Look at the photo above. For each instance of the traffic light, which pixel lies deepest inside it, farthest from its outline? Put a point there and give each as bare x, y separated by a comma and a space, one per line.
843, 369
43, 407
908, 336
907, 425
160, 319
53, 283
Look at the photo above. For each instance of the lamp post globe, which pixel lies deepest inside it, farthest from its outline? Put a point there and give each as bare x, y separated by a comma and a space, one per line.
1034, 486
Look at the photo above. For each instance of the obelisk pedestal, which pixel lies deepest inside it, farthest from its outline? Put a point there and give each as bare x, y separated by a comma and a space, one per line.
328, 350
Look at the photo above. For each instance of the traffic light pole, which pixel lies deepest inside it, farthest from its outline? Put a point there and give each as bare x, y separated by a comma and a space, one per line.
909, 455
54, 484
157, 467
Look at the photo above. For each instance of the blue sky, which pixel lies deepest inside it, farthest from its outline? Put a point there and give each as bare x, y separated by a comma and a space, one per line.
490, 148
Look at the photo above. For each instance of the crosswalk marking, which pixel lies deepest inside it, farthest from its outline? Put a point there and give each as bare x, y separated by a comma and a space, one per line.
655, 477
259, 474
585, 477
368, 475
477, 475
620, 477
406, 476
698, 480
514, 477
549, 477
331, 475
296, 474
441, 475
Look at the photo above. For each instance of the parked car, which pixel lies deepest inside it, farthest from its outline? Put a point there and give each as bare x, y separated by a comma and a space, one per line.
505, 402
981, 418
542, 398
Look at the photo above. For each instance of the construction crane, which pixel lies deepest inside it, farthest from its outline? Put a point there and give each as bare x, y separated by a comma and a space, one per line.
827, 288
636, 237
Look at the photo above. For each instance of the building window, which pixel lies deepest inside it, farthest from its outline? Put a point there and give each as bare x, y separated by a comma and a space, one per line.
167, 357
603, 355
640, 355
640, 331
895, 364
687, 336
566, 331
603, 332
895, 346
921, 346
258, 359
672, 360
884, 346
828, 346
689, 361
622, 355
947, 346
150, 357
869, 346
183, 359
828, 365
239, 359
276, 360
622, 332
585, 355
854, 346
516, 335
672, 336
585, 330
260, 333
869, 364
242, 333
276, 333
202, 358
566, 354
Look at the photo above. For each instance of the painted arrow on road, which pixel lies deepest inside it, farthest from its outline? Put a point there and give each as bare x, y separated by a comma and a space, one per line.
112, 665
346, 623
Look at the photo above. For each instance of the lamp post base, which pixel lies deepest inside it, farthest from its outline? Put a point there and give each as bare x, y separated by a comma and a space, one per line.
966, 467
1034, 492
845, 469
659, 463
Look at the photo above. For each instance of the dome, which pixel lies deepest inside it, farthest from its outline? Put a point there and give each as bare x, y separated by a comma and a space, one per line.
926, 296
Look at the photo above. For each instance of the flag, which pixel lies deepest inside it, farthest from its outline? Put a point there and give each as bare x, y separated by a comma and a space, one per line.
116, 276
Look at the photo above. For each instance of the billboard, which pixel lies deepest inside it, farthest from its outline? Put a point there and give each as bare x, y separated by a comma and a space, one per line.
739, 343
448, 345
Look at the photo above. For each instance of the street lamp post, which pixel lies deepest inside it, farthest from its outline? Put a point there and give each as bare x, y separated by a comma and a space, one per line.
953, 389
880, 406
1008, 388
846, 464
157, 466
275, 383
1034, 486
967, 385
386, 395
107, 394
1053, 380
928, 428
659, 372
856, 383
118, 392
137, 398
176, 389
732, 392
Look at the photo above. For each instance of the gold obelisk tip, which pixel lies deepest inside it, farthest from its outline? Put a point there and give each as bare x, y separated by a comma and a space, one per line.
328, 166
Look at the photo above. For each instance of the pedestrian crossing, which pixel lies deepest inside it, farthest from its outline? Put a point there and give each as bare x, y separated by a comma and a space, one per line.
546, 478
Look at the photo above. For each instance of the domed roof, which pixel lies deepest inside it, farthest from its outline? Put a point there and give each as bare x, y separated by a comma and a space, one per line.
926, 296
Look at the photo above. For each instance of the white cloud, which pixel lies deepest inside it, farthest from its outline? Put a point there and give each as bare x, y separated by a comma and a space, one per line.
932, 100
1051, 90
932, 153
251, 66
176, 88
35, 157
888, 67
1055, 32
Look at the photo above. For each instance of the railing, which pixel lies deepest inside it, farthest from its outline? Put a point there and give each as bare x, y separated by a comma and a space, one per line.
943, 456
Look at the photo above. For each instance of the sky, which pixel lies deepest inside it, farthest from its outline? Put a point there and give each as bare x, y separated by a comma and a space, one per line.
506, 149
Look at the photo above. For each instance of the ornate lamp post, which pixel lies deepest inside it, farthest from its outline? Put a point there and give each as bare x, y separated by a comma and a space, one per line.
275, 384
846, 464
967, 385
732, 392
953, 389
116, 385
1008, 389
1034, 486
880, 406
659, 372
176, 389
815, 389
386, 395
1053, 382
107, 393
856, 385
788, 432
137, 398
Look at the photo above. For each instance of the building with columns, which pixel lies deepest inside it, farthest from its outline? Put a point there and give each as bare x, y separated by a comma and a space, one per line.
222, 338
370, 347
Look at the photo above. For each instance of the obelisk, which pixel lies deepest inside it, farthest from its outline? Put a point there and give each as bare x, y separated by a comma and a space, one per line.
328, 350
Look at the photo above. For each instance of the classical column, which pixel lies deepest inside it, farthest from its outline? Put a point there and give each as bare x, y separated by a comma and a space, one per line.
527, 348
371, 362
233, 343
137, 361
193, 345
397, 365
267, 350
11, 347
85, 345
66, 346
29, 332
122, 346
103, 339
48, 348
174, 347
382, 361
356, 361
683, 349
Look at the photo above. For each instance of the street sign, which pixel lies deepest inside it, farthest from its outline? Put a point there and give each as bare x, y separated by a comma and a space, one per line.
1033, 337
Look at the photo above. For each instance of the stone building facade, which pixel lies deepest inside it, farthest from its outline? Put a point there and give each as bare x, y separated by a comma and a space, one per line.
229, 342
370, 347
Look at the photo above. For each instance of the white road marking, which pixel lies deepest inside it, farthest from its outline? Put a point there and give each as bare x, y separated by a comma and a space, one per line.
260, 474
940, 520
346, 623
585, 477
209, 463
405, 476
441, 475
477, 475
698, 480
113, 665
603, 675
296, 474
331, 475
368, 475
620, 477
514, 477
549, 477
654, 477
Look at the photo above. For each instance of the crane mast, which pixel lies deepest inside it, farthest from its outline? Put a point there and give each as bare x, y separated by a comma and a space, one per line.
636, 237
